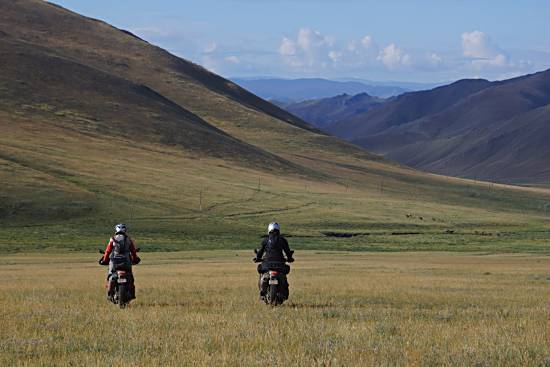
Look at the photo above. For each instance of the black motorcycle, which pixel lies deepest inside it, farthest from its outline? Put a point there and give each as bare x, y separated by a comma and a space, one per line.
121, 288
273, 283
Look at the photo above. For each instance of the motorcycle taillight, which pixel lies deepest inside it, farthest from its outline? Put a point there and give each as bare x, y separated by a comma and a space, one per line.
273, 272
121, 273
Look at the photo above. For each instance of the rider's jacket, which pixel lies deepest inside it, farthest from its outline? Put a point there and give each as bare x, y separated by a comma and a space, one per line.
272, 249
122, 244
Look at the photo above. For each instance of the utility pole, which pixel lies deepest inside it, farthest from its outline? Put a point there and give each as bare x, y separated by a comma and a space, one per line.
200, 200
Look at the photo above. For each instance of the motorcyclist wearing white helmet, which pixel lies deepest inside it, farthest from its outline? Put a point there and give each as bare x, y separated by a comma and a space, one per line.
121, 251
271, 250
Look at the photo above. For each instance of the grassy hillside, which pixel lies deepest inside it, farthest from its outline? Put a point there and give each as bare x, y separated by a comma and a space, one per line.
99, 127
67, 190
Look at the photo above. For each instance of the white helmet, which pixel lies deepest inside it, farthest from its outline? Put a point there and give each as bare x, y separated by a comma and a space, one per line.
120, 228
273, 226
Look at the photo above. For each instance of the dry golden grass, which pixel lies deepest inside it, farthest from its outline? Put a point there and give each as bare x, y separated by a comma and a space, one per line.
201, 308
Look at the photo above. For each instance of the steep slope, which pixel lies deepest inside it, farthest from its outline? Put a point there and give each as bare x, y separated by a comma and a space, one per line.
217, 101
470, 137
37, 81
67, 75
323, 112
98, 45
515, 150
406, 108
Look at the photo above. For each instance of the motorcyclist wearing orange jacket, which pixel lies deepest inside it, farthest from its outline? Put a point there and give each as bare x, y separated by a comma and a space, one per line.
120, 253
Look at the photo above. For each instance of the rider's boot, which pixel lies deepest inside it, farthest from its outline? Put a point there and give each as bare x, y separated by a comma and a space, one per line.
262, 285
110, 290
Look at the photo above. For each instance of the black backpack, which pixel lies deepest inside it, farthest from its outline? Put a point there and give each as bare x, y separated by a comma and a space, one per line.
121, 245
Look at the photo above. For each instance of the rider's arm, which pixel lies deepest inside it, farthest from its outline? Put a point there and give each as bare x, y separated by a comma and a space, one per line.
262, 249
133, 250
286, 249
108, 251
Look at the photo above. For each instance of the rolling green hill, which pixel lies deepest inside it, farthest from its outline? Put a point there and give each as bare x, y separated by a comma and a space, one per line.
98, 126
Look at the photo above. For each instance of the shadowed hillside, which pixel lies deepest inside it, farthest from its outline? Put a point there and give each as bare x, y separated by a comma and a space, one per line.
326, 111
38, 82
471, 128
405, 108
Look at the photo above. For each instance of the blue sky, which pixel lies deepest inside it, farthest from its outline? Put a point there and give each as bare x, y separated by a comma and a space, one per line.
420, 41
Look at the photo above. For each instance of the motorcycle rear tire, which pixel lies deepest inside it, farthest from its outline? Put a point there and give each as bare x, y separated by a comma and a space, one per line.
122, 295
273, 298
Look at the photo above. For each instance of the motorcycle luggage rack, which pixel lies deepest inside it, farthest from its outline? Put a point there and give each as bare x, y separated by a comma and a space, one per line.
275, 265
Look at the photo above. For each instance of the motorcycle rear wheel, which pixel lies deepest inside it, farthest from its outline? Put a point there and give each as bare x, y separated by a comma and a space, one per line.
122, 295
273, 295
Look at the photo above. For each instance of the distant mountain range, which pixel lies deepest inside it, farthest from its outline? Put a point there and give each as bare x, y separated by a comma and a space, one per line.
324, 112
298, 90
474, 128
409, 86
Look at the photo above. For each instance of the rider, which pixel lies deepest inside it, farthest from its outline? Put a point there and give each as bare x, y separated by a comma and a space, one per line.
271, 250
121, 250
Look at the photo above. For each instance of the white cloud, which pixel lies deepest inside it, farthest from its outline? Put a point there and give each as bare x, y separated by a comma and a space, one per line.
434, 59
393, 57
335, 56
308, 40
287, 48
309, 52
234, 59
304, 39
482, 52
309, 49
477, 44
366, 41
211, 47
351, 46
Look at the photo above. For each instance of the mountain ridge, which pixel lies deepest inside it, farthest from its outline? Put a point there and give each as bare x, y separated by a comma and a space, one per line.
454, 129
302, 89
326, 111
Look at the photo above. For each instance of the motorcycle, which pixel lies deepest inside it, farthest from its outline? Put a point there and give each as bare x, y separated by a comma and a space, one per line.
121, 283
274, 281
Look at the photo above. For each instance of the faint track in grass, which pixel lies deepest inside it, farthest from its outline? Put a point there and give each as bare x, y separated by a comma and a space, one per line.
264, 212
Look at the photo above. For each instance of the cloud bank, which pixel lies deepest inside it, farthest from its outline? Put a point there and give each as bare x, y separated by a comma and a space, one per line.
310, 52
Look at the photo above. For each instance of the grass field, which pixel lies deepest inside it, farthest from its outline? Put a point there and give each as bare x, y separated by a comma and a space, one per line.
431, 270
201, 308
